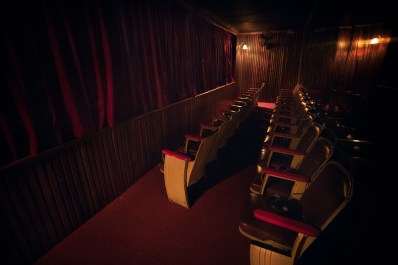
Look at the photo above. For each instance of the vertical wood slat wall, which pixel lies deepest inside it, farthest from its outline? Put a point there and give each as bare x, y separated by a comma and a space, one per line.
44, 199
332, 60
337, 60
276, 65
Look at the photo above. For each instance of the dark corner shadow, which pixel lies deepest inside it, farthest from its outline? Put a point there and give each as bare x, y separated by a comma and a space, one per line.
241, 151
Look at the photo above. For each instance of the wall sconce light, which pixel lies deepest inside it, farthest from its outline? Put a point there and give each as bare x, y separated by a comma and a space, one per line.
375, 40
243, 46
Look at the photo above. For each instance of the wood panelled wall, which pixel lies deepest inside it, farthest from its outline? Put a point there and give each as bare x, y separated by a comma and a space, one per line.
44, 199
335, 59
340, 60
275, 63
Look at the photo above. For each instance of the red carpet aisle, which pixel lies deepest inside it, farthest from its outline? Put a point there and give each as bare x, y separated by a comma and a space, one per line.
143, 227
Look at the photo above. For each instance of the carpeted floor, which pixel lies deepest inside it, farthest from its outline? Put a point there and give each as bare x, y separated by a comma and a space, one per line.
143, 227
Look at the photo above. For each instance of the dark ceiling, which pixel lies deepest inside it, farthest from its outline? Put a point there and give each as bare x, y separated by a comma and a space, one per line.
246, 16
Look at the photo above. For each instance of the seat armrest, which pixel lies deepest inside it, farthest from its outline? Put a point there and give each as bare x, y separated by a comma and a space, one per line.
194, 138
285, 175
176, 155
285, 150
281, 221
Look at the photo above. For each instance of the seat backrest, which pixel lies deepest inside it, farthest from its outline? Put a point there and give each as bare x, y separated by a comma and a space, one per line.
223, 132
196, 168
306, 141
302, 113
304, 124
309, 137
319, 153
328, 194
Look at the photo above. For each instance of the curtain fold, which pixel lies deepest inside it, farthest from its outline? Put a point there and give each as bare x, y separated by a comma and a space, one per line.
74, 67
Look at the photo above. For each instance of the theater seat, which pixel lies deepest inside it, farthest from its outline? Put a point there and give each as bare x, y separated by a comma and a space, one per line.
276, 156
183, 169
287, 135
291, 182
281, 232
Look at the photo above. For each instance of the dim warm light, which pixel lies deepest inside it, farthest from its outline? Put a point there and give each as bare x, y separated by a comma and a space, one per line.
342, 44
375, 40
242, 46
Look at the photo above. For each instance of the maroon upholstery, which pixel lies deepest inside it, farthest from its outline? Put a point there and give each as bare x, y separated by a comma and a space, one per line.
287, 223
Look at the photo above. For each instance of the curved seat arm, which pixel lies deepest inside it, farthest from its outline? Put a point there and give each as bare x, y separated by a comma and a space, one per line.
285, 175
176, 155
194, 137
285, 150
281, 221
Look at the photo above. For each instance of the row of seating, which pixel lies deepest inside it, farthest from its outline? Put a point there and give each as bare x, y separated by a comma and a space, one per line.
299, 189
186, 165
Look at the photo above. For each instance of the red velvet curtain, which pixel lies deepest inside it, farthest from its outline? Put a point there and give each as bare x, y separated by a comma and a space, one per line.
74, 67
